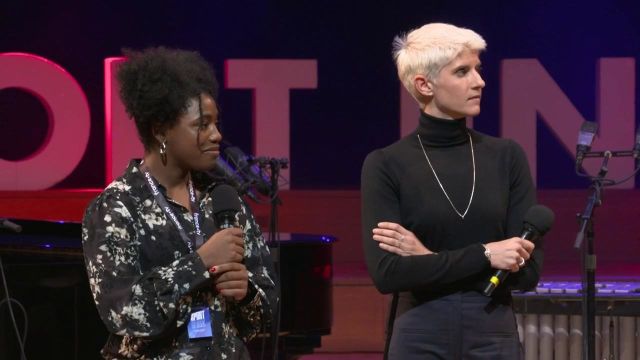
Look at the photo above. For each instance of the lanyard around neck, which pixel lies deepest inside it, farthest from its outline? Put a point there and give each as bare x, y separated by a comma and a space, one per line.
164, 205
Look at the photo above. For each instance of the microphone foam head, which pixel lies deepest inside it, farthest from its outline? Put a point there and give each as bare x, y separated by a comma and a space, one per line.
540, 217
587, 132
225, 198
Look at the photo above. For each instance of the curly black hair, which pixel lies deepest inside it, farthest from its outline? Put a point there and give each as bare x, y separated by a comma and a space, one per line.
157, 83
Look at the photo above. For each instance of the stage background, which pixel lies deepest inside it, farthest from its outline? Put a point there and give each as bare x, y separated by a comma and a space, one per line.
355, 107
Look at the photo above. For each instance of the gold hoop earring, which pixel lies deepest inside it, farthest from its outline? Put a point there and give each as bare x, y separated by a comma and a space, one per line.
163, 152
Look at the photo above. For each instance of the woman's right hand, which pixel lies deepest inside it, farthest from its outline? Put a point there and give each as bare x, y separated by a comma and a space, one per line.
396, 239
510, 254
225, 246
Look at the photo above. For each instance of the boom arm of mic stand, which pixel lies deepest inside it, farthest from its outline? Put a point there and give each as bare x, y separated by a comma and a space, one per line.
616, 153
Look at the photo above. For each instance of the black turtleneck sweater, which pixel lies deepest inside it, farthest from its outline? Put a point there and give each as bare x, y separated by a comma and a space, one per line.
398, 185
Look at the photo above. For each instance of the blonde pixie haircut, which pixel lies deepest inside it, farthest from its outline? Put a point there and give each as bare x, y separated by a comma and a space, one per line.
426, 50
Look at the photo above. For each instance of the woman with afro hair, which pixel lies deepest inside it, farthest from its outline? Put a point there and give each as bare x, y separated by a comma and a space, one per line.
166, 282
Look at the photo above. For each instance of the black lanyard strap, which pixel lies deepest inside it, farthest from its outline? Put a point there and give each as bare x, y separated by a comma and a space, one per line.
164, 205
195, 213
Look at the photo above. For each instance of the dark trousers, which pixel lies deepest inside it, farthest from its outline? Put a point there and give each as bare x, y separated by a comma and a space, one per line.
456, 326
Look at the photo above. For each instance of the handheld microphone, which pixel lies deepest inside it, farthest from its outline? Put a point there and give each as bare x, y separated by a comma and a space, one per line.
252, 174
585, 139
537, 221
10, 225
226, 205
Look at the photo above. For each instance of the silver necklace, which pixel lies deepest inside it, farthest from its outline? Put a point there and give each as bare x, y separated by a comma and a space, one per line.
473, 187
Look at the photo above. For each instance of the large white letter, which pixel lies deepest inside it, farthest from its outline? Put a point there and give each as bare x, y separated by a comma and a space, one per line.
271, 81
69, 122
527, 90
121, 137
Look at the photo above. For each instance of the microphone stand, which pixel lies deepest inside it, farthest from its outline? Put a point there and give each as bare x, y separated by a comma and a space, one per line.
275, 165
588, 258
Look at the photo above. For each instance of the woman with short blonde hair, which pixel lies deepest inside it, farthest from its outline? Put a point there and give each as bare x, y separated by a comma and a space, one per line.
442, 209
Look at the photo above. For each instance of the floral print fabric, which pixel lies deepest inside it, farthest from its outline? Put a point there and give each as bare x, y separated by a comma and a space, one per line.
145, 281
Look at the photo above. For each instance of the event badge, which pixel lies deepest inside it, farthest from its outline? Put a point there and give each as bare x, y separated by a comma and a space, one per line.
200, 323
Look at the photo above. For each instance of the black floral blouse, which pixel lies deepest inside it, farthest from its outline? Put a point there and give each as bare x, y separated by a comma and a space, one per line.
145, 280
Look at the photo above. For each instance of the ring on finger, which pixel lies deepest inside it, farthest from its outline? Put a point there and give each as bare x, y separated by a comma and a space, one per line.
521, 262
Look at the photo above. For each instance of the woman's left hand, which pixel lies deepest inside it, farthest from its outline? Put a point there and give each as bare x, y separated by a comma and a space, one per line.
231, 280
395, 239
